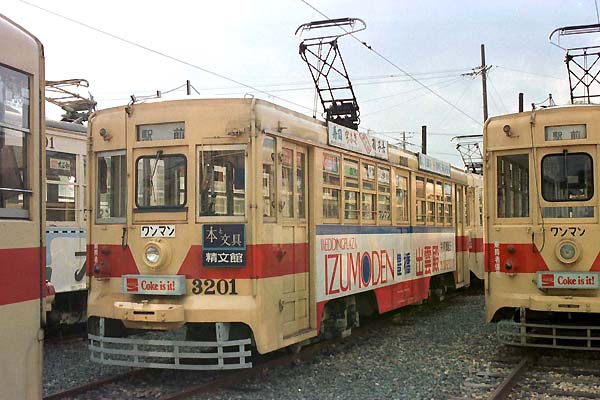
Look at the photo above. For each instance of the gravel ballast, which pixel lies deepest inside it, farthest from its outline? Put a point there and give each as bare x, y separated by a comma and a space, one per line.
425, 352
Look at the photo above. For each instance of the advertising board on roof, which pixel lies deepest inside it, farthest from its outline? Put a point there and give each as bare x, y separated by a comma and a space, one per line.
359, 142
434, 165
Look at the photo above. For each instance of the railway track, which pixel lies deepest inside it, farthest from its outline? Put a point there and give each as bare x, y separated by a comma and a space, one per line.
196, 382
91, 386
535, 376
211, 380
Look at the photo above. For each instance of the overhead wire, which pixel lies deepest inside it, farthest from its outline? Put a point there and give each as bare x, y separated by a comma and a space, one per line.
380, 55
162, 54
529, 72
290, 89
468, 87
497, 94
407, 100
404, 92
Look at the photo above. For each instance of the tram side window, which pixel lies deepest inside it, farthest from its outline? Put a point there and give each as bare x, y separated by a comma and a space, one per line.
300, 184
14, 98
268, 178
350, 189
14, 118
84, 187
439, 197
368, 202
287, 183
468, 205
383, 194
112, 187
61, 181
448, 194
513, 186
401, 198
331, 186
430, 201
421, 203
222, 187
480, 207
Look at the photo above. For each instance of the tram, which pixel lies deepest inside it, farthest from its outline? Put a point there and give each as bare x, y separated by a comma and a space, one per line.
24, 293
542, 253
237, 224
542, 261
66, 153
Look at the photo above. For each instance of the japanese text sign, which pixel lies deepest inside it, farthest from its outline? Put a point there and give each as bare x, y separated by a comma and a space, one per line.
224, 245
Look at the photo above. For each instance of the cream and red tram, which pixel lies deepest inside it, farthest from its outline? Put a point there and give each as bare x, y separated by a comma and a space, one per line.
542, 250
248, 224
66, 152
21, 214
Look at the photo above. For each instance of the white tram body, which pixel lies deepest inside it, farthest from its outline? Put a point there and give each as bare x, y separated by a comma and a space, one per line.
66, 151
251, 225
542, 253
21, 214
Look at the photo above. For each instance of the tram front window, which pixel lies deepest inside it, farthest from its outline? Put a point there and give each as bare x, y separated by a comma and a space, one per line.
161, 181
567, 177
222, 182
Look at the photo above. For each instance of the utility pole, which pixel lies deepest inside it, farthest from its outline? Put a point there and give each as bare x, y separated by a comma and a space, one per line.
424, 139
484, 70
403, 140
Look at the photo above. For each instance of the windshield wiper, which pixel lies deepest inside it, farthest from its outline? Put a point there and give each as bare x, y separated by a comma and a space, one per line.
159, 153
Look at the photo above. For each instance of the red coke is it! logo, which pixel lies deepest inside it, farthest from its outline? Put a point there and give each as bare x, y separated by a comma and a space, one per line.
547, 280
132, 284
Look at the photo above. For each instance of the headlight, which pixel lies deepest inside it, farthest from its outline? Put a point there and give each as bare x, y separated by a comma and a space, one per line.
567, 251
152, 254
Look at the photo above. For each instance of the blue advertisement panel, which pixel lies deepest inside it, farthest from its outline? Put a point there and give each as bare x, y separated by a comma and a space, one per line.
224, 245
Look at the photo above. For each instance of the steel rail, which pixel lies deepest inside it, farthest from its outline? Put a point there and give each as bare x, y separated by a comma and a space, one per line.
505, 388
68, 393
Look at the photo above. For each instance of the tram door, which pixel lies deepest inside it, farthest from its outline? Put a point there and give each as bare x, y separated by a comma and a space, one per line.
461, 264
292, 207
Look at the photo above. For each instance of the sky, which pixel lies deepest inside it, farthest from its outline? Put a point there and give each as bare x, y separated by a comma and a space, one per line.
412, 77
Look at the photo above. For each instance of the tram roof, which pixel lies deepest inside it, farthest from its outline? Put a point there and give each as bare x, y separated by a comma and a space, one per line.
66, 126
258, 103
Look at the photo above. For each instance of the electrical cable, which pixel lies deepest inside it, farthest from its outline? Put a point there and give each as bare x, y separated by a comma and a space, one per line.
162, 54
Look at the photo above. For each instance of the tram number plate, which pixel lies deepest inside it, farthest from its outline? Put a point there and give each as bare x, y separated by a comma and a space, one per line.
212, 286
568, 280
157, 231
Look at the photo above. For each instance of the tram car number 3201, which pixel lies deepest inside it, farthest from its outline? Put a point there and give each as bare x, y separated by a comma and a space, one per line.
212, 286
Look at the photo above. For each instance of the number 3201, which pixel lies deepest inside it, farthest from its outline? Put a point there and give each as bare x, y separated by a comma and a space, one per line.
210, 286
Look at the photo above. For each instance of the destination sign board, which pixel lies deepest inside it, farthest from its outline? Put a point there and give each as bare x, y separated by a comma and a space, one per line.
168, 131
565, 132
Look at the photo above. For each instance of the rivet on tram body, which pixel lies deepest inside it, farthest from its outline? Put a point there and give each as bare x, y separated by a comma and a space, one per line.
511, 249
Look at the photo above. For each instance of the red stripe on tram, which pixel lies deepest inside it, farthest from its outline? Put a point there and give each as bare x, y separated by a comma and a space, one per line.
20, 275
